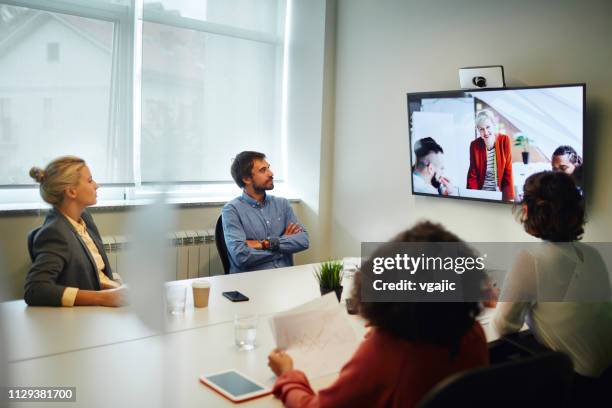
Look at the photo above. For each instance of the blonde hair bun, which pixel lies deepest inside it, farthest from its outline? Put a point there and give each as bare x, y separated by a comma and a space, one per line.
60, 173
37, 174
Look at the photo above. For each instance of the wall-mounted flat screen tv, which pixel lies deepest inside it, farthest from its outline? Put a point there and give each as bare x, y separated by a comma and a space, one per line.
483, 144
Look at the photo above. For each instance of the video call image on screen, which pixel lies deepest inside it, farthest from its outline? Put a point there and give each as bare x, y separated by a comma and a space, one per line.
483, 144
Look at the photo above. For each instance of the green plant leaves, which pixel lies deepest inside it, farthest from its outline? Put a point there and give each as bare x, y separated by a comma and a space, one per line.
329, 274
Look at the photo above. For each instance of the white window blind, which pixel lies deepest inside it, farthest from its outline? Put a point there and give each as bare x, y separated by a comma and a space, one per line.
145, 91
211, 87
59, 89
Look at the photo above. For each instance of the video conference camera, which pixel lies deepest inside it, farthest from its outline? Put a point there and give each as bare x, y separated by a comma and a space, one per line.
482, 77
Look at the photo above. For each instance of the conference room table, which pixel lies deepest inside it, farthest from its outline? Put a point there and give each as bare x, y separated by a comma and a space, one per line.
142, 356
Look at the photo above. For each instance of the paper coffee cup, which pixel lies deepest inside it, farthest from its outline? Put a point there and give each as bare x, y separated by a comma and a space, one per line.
201, 291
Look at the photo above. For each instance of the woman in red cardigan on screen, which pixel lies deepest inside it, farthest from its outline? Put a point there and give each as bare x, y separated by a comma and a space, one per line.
409, 348
490, 158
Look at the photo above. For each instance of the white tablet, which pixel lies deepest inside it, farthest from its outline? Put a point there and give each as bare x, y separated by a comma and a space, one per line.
235, 386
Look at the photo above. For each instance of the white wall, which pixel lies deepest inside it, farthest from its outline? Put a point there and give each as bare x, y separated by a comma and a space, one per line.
310, 116
388, 48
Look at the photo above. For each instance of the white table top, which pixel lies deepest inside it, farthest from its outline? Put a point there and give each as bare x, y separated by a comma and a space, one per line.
153, 371
113, 359
42, 331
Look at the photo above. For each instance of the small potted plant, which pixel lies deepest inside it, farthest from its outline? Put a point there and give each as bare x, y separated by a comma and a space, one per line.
329, 276
523, 141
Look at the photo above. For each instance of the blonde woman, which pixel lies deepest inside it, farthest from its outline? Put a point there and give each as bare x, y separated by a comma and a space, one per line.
490, 158
69, 266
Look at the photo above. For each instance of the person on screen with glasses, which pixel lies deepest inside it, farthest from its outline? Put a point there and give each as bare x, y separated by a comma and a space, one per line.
69, 265
261, 231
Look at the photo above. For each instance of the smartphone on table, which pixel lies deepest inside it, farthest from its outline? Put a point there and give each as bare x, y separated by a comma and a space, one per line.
235, 296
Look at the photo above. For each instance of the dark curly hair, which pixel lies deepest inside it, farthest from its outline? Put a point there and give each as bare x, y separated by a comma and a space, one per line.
571, 153
552, 208
442, 323
242, 166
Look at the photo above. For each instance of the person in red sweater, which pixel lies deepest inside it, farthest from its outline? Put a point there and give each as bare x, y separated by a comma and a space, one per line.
409, 348
490, 158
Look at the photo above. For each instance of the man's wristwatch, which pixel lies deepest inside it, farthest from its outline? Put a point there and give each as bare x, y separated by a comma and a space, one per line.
271, 244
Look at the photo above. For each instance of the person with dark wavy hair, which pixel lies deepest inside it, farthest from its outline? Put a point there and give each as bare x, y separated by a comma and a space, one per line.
409, 348
552, 208
565, 159
560, 288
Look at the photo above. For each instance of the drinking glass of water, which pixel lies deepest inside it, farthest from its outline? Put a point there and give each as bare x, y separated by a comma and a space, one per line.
245, 331
175, 298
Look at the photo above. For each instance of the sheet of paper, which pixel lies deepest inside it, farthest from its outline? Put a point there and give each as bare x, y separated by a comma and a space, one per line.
324, 302
318, 336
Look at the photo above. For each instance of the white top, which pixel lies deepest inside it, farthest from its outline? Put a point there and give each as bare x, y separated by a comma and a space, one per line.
577, 318
419, 185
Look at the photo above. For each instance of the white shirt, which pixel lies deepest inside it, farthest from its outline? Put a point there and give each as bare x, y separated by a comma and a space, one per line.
579, 321
419, 185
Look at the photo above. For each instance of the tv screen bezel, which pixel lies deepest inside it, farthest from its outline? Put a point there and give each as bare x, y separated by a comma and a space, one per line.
457, 93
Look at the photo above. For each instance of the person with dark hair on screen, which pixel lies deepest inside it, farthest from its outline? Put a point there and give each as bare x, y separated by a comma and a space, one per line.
261, 231
409, 348
69, 265
490, 158
428, 169
561, 288
566, 159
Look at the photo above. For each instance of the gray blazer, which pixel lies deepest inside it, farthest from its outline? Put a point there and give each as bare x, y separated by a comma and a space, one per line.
60, 258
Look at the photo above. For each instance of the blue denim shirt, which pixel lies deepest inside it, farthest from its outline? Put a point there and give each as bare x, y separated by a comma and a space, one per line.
245, 218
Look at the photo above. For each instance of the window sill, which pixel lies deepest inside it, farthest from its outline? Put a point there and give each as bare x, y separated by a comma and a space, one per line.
121, 205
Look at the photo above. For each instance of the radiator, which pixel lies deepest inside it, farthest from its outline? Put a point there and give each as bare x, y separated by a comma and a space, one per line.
194, 254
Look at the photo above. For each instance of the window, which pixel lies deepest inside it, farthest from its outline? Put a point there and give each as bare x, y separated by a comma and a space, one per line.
52, 52
217, 67
5, 120
145, 91
47, 116
69, 106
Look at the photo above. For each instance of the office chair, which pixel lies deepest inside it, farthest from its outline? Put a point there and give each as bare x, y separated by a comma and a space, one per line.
604, 384
31, 236
543, 380
515, 346
221, 246
594, 394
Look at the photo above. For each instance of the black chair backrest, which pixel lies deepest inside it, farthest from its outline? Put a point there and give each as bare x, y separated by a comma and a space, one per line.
604, 385
31, 236
594, 393
543, 380
221, 246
